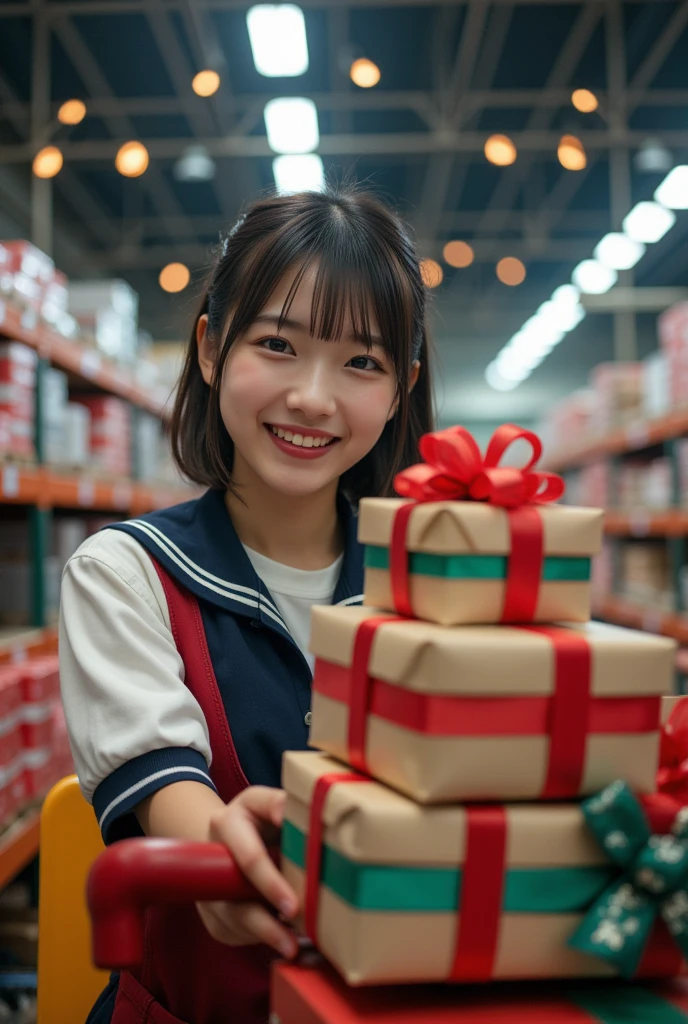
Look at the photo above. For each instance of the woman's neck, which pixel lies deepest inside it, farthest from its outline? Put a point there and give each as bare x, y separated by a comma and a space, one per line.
303, 532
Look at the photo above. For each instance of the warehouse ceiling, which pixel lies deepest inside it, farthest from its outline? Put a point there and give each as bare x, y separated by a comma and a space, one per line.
452, 74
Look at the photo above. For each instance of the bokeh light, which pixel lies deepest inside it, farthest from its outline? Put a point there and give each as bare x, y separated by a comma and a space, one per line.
174, 277
72, 112
458, 254
511, 271
431, 273
48, 162
500, 150
132, 159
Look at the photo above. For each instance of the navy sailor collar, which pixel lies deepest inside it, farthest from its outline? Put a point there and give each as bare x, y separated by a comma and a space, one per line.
197, 544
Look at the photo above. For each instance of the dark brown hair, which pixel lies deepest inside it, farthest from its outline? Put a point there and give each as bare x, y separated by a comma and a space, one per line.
364, 260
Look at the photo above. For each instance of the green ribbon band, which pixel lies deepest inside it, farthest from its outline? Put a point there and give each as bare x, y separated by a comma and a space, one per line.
653, 880
380, 887
556, 569
625, 1004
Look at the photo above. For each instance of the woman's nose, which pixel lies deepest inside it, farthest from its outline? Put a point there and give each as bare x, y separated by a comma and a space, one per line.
312, 394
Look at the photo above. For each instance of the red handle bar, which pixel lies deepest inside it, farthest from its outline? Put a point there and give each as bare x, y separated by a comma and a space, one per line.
138, 873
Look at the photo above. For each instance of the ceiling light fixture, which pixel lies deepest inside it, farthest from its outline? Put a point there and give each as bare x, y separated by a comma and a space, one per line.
132, 159
500, 150
206, 82
174, 277
673, 192
299, 173
195, 164
431, 273
291, 123
458, 254
72, 112
364, 73
593, 277
571, 153
511, 271
277, 33
619, 252
584, 101
648, 222
48, 162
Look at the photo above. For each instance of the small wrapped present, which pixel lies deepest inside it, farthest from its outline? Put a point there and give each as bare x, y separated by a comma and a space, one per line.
396, 892
314, 994
488, 712
478, 542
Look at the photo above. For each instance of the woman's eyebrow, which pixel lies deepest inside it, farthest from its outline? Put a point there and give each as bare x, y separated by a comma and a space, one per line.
295, 325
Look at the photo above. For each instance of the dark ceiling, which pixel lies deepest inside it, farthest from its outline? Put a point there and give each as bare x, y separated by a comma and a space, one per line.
452, 73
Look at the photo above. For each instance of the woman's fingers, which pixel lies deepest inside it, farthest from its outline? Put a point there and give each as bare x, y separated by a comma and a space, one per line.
238, 828
242, 924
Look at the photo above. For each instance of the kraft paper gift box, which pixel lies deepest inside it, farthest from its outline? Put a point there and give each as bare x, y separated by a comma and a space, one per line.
464, 559
488, 712
314, 994
398, 892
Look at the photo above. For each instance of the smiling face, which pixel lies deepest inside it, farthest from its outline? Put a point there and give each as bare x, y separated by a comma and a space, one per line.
301, 410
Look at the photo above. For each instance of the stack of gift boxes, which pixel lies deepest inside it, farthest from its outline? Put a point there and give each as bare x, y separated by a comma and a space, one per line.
481, 796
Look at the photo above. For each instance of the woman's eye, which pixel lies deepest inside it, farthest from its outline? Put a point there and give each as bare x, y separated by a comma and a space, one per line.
364, 363
276, 345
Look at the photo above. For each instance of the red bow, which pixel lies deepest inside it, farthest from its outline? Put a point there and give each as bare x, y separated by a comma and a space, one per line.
672, 777
454, 469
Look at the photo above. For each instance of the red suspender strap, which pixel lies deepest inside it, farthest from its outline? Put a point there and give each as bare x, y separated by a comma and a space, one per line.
189, 637
315, 845
481, 888
361, 689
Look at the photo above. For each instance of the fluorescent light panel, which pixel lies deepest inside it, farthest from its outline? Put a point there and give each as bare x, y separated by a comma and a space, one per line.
673, 192
277, 33
648, 222
303, 173
618, 252
292, 125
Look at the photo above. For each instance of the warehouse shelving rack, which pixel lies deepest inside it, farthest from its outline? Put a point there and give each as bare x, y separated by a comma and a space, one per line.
42, 488
671, 524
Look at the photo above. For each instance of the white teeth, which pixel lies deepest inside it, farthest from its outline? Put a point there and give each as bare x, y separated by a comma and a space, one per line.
301, 440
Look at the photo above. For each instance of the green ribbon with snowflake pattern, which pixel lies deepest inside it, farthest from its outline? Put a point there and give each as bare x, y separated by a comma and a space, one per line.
654, 880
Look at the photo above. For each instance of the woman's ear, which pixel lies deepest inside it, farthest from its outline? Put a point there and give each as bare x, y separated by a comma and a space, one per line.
413, 377
206, 354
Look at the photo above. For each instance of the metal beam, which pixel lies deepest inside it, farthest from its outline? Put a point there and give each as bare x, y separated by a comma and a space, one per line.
119, 124
635, 300
422, 103
486, 251
65, 8
385, 143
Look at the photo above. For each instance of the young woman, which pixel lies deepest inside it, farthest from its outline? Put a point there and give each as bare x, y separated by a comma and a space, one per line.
184, 659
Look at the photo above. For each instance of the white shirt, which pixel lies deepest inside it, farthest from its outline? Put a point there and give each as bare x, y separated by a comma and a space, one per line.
295, 591
121, 675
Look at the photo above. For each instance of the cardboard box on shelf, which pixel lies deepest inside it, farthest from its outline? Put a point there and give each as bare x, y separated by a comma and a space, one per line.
646, 574
76, 423
459, 555
17, 397
471, 713
410, 893
656, 386
110, 433
618, 389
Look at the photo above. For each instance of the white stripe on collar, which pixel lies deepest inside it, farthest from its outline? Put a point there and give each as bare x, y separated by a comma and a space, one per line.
358, 599
153, 530
171, 549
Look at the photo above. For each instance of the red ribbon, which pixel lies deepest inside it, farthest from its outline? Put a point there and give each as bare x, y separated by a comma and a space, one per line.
568, 716
482, 884
570, 712
672, 777
315, 844
359, 696
454, 469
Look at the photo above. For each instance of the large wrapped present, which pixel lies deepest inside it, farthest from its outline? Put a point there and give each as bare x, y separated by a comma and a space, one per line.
488, 712
396, 892
314, 994
499, 554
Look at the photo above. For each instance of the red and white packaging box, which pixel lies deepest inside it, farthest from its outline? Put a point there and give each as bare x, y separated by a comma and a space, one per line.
10, 715
17, 398
110, 433
40, 679
17, 364
26, 258
38, 725
40, 772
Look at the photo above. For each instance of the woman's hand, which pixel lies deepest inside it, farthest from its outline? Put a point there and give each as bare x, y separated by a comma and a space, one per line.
244, 825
